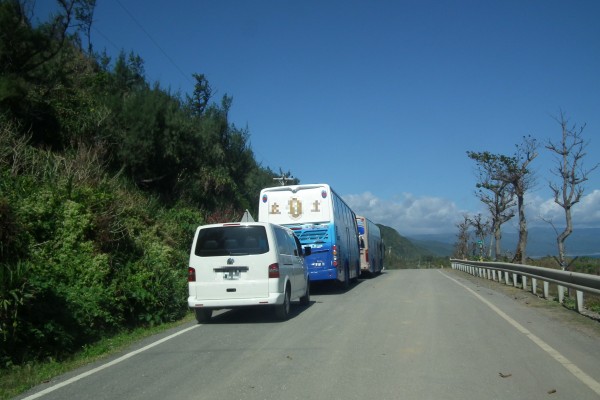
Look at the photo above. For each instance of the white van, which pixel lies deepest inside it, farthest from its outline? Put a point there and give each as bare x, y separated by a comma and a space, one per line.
246, 264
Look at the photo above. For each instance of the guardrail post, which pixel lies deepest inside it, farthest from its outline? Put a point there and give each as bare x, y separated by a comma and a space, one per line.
546, 289
514, 280
494, 275
561, 294
506, 277
579, 301
524, 279
534, 286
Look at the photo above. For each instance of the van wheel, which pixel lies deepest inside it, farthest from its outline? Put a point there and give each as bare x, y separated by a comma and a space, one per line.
305, 300
203, 315
282, 311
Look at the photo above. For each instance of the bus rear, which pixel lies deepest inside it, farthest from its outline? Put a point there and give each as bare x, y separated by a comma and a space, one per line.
371, 246
308, 211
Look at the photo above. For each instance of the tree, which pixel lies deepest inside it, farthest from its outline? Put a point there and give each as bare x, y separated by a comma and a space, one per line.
498, 196
35, 66
514, 171
482, 228
84, 12
569, 154
518, 174
461, 248
198, 101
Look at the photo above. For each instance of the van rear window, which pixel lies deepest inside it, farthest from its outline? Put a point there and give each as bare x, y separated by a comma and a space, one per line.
231, 240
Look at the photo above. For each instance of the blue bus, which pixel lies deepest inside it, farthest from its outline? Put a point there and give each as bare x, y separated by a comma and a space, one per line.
320, 219
371, 246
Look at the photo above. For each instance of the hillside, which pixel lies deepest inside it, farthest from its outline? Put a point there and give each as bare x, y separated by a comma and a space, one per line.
104, 177
401, 252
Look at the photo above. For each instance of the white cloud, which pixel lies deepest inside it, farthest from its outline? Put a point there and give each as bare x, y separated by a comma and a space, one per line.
409, 215
586, 213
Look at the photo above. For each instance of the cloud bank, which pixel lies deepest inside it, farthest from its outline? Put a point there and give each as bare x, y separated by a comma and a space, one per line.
408, 214
586, 213
411, 215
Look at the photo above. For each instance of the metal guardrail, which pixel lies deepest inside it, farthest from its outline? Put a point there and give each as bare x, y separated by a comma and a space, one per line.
581, 283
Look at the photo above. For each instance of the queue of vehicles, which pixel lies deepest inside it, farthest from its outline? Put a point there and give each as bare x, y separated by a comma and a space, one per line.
304, 234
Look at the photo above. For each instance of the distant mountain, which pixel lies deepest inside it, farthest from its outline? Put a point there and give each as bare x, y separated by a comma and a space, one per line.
438, 248
540, 242
401, 252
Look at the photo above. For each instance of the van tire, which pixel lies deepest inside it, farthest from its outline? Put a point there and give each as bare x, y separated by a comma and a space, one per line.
305, 300
282, 311
203, 315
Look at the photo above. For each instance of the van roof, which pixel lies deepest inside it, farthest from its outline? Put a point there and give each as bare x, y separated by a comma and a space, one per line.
238, 224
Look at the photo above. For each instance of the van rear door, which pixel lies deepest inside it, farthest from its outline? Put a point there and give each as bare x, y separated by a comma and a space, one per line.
231, 262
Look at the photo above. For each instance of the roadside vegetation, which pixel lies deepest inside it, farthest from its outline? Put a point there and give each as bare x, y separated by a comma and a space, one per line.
104, 177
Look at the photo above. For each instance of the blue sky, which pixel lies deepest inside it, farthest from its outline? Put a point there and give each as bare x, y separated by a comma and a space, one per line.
382, 99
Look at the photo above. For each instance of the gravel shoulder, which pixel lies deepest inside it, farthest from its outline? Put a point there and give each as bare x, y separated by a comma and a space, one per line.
587, 323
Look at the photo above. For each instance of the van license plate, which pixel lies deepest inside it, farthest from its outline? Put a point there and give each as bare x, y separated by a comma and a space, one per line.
232, 274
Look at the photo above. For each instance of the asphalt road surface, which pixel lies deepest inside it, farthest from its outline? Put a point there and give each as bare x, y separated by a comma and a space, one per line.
409, 334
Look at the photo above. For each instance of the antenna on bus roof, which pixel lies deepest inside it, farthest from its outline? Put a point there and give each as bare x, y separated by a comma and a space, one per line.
283, 178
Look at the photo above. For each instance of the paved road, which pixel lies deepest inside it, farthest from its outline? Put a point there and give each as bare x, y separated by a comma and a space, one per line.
410, 334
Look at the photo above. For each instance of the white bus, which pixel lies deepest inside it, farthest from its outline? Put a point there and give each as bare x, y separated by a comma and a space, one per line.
371, 246
321, 220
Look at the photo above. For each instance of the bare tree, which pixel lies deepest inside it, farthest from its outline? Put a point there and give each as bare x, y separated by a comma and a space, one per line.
569, 154
498, 196
84, 12
461, 247
482, 229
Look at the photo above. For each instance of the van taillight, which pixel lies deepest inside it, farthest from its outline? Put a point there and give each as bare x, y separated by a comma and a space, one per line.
367, 255
191, 274
274, 270
335, 258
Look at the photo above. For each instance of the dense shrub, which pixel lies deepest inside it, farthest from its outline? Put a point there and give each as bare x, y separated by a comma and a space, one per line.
98, 261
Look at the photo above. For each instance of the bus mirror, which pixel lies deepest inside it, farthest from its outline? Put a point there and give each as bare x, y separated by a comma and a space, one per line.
307, 251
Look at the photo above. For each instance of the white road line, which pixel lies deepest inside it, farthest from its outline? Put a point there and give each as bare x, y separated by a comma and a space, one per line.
572, 368
107, 365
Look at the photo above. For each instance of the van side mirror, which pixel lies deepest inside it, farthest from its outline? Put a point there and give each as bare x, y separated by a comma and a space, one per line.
307, 251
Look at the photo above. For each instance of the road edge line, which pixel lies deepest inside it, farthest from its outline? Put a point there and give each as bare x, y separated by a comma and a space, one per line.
107, 365
587, 380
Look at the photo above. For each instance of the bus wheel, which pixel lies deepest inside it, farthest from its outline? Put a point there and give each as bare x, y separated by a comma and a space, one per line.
346, 277
282, 311
355, 279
